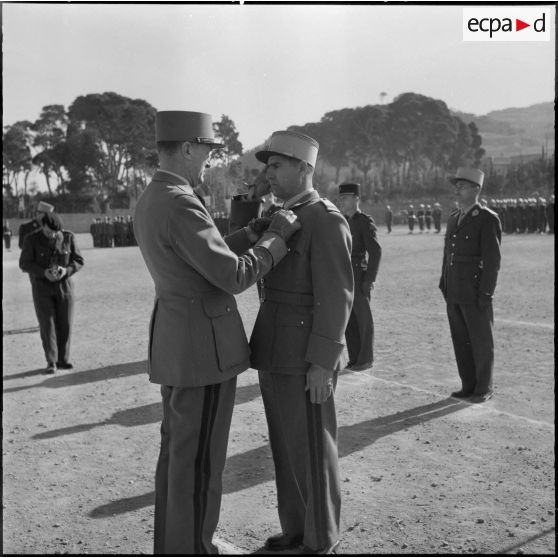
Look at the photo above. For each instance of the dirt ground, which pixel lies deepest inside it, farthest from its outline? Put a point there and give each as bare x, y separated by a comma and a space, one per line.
421, 473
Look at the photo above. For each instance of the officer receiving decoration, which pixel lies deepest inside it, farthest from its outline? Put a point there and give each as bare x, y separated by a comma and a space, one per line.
365, 259
469, 273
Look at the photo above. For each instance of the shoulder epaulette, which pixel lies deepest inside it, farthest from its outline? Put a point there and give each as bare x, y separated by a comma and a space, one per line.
455, 211
329, 205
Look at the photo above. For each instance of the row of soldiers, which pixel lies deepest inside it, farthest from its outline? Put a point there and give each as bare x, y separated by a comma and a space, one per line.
524, 215
108, 233
425, 216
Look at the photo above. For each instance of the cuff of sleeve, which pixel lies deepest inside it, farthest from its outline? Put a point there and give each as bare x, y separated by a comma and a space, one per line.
324, 352
275, 245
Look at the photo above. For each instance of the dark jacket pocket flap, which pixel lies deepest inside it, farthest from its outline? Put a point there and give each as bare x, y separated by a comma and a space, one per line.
215, 307
294, 316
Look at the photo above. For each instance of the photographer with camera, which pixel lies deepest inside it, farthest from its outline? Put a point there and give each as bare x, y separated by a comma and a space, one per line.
50, 255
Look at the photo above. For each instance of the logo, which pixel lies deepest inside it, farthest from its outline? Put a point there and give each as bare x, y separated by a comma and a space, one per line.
509, 23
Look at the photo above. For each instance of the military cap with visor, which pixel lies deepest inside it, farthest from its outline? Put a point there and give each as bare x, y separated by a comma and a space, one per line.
475, 176
182, 125
349, 188
290, 144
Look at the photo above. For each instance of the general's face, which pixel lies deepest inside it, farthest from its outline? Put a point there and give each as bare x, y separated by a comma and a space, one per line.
466, 192
284, 176
199, 159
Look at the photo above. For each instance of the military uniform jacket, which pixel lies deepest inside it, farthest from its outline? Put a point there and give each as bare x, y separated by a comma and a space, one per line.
25, 229
39, 253
196, 334
366, 252
307, 297
471, 255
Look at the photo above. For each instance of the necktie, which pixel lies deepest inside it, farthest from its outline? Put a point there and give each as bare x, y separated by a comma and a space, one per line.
460, 218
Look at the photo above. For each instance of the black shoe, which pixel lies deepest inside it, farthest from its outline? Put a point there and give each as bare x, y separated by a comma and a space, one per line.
283, 542
349, 364
481, 398
360, 367
65, 365
50, 369
305, 551
461, 394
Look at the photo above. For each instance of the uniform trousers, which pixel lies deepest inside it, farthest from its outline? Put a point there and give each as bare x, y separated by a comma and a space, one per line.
473, 343
54, 312
303, 438
188, 479
359, 333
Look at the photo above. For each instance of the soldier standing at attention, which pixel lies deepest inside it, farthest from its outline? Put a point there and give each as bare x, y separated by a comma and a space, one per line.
428, 217
197, 342
365, 259
297, 346
437, 217
550, 214
389, 218
35, 224
420, 217
469, 273
411, 218
7, 234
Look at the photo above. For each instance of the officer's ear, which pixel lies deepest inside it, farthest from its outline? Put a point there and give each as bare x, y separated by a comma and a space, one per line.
186, 149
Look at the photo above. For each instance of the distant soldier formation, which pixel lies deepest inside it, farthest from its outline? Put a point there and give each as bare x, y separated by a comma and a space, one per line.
117, 232
524, 215
425, 216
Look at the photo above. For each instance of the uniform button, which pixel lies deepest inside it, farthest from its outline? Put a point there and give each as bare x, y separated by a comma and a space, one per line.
453, 245
302, 322
228, 309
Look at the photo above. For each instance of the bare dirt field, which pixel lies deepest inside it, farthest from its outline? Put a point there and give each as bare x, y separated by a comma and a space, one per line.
421, 473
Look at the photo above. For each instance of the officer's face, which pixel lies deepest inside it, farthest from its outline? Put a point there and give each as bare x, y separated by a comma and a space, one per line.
285, 176
466, 192
348, 203
198, 160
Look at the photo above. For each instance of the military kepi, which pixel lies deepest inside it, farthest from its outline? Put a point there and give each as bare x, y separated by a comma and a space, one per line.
44, 206
290, 144
475, 176
182, 125
349, 188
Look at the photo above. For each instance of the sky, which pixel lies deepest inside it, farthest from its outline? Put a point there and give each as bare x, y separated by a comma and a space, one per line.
266, 67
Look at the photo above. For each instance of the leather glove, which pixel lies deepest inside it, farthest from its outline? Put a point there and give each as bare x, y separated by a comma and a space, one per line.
319, 382
484, 301
366, 287
62, 272
259, 225
284, 224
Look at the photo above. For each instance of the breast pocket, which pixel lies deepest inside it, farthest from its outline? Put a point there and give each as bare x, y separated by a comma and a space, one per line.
229, 337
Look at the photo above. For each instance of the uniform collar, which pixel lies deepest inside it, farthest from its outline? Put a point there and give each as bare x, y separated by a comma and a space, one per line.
175, 179
301, 198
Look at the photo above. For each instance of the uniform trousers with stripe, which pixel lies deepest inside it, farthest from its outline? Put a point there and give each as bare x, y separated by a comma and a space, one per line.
188, 480
473, 344
303, 438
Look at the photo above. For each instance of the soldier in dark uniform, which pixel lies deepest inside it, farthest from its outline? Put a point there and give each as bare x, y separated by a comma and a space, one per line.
35, 224
7, 234
51, 257
437, 216
420, 217
130, 227
297, 346
428, 217
365, 259
108, 232
389, 218
469, 273
92, 230
541, 215
550, 214
411, 218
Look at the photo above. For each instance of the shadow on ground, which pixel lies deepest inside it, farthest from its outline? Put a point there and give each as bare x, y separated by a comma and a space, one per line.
254, 467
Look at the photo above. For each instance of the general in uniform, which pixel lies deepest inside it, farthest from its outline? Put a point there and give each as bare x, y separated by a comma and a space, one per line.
197, 343
297, 346
469, 273
50, 256
365, 259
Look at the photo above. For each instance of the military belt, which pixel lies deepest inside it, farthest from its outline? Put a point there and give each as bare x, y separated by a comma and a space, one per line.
283, 297
466, 259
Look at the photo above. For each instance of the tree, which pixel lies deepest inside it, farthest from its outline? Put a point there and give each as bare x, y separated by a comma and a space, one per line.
225, 130
16, 154
50, 133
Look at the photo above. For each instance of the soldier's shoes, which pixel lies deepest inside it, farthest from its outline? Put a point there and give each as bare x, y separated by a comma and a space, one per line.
305, 551
50, 369
461, 394
349, 364
481, 398
65, 365
360, 367
283, 542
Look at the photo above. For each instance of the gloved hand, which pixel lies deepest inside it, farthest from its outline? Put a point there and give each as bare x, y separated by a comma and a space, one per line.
260, 188
50, 275
62, 272
366, 287
484, 301
284, 224
259, 225
319, 382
